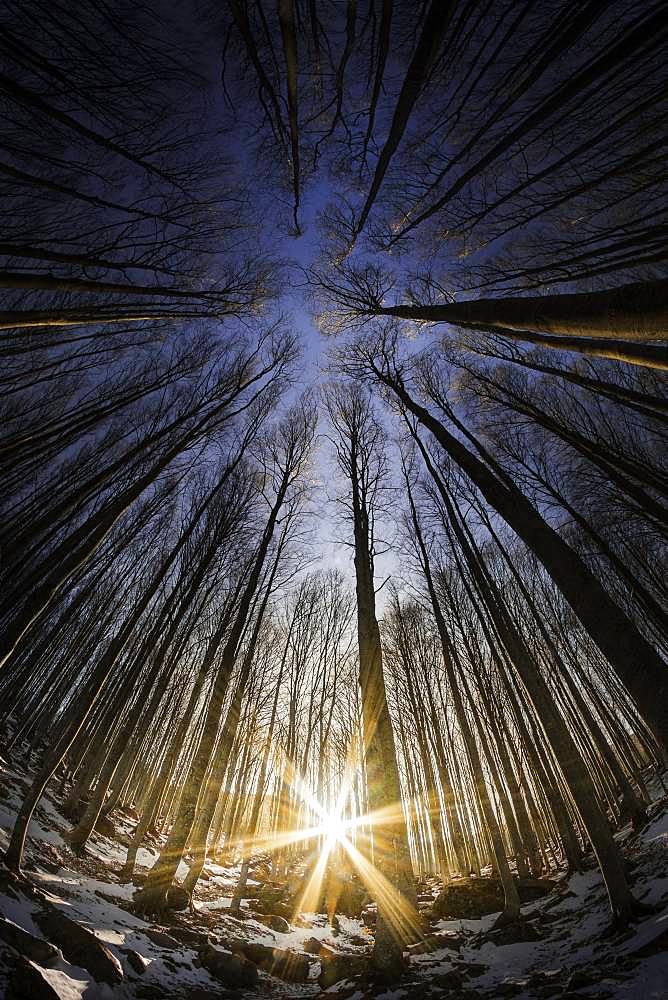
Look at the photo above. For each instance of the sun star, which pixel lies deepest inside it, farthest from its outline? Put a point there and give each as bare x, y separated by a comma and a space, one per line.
334, 828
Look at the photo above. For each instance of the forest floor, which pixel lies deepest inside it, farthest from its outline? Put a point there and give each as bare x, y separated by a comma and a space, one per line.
563, 948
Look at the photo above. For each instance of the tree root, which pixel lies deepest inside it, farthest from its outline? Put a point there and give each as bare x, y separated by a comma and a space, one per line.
636, 911
507, 917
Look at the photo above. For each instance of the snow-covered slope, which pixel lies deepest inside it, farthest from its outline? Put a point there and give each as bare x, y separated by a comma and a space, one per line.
563, 950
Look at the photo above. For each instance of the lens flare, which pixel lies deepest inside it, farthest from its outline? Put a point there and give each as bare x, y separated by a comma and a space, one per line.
363, 840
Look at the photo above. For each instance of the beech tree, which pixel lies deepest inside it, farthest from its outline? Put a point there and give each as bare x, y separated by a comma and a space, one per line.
293, 442
472, 198
603, 323
360, 455
377, 360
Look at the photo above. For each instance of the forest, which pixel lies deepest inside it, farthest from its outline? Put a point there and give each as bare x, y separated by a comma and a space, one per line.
333, 499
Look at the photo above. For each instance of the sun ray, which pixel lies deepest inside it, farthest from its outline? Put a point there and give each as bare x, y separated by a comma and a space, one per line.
398, 912
274, 841
310, 897
373, 832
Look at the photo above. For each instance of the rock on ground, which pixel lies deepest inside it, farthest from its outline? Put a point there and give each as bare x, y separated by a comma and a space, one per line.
337, 966
80, 946
231, 970
136, 961
162, 938
31, 947
30, 982
472, 898
291, 966
434, 942
274, 921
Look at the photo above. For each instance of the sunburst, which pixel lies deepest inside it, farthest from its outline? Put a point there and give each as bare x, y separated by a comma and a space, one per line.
332, 830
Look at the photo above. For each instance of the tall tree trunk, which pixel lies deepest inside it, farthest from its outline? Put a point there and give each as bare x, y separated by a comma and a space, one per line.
635, 660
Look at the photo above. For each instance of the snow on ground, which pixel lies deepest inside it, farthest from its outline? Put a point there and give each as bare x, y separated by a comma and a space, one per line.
576, 939
575, 957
